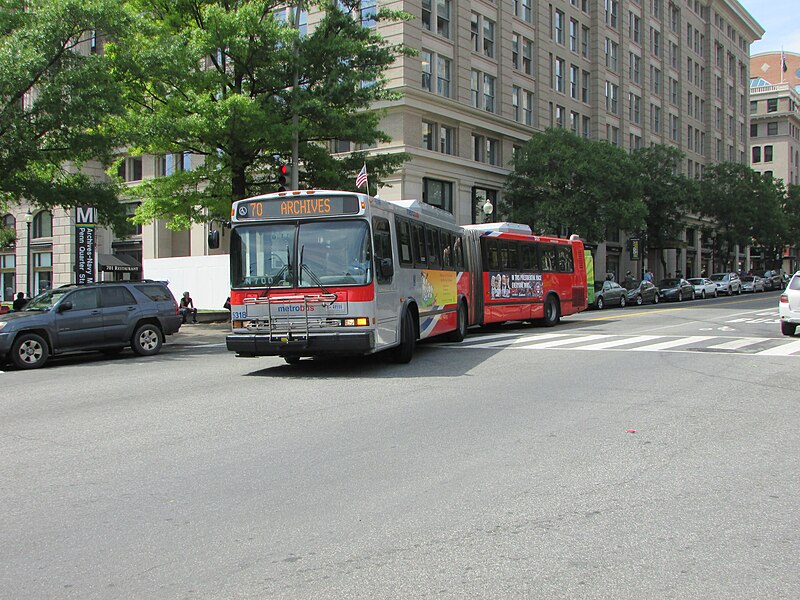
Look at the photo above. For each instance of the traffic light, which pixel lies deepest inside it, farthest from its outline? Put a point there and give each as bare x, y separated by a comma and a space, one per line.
283, 173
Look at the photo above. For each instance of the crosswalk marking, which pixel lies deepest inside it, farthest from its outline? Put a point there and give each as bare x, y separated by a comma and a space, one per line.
784, 350
562, 342
751, 346
623, 342
736, 344
693, 339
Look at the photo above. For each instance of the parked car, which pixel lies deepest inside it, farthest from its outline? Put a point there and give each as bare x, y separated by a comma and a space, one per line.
789, 306
609, 293
103, 316
676, 288
752, 283
641, 291
704, 287
772, 280
727, 283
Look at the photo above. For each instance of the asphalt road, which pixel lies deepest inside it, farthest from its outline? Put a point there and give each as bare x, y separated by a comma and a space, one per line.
649, 452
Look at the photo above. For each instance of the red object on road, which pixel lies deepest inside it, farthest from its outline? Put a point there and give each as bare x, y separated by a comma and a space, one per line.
630, 431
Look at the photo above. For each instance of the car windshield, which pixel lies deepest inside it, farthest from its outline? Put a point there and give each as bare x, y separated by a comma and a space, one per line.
632, 285
695, 281
748, 278
718, 276
46, 300
669, 283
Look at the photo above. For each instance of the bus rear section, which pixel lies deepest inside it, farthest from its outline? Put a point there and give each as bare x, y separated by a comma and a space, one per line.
522, 277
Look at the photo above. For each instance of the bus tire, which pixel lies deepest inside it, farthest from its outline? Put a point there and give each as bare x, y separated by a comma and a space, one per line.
552, 312
460, 331
403, 353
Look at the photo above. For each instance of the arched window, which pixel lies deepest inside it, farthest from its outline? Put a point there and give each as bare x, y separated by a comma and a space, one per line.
42, 225
9, 222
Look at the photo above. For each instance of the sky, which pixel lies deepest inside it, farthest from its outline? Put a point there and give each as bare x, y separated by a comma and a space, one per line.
781, 21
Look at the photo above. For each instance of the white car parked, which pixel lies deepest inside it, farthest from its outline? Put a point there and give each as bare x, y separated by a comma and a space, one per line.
704, 287
789, 306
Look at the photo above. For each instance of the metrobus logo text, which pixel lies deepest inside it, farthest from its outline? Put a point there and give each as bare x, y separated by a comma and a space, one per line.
306, 206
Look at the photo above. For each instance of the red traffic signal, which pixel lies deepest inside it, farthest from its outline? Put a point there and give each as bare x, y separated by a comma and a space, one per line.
283, 172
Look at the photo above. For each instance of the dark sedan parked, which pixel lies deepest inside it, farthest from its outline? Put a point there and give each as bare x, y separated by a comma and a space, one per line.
608, 293
675, 289
642, 291
772, 280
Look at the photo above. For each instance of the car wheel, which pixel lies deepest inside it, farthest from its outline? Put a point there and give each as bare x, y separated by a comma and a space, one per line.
29, 351
656, 299
680, 296
703, 294
739, 291
291, 360
599, 303
622, 301
716, 293
147, 340
639, 300
693, 295
788, 328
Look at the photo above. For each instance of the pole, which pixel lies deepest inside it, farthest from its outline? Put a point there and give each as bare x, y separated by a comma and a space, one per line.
28, 261
295, 182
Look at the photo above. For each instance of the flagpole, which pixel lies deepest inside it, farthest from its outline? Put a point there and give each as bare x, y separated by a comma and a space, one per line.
783, 63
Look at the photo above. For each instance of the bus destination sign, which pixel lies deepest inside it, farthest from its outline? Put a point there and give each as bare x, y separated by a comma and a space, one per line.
297, 206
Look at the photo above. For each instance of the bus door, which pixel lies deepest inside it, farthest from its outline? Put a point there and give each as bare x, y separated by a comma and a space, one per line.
386, 302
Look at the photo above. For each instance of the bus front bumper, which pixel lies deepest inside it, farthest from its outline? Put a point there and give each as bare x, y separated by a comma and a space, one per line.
255, 344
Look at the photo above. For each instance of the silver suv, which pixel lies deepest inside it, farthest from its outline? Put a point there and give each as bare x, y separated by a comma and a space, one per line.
102, 316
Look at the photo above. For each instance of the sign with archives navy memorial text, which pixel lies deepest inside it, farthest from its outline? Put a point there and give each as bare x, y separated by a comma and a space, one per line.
85, 243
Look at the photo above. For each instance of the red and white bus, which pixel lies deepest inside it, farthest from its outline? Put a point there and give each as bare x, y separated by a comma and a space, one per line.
320, 272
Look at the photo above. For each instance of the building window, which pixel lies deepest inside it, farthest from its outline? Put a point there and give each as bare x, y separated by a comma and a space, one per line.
753, 107
488, 37
558, 27
369, 10
753, 129
655, 118
427, 70
612, 97
130, 169
635, 108
756, 154
585, 87
573, 35
634, 67
443, 73
767, 153
611, 49
443, 68
634, 26
655, 42
559, 117
585, 41
475, 88
446, 139
478, 148
42, 271
527, 108
574, 75
42, 225
427, 135
492, 151
515, 103
772, 105
438, 193
655, 80
586, 128
527, 56
515, 50
8, 277
558, 75
488, 92
772, 128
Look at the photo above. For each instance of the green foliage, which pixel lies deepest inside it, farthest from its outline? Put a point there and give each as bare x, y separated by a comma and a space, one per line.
667, 194
61, 119
563, 183
791, 215
216, 78
744, 205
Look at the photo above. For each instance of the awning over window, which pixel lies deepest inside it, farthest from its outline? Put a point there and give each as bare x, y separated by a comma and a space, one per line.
118, 263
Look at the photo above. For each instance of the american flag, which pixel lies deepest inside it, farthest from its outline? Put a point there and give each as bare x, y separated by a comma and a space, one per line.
361, 178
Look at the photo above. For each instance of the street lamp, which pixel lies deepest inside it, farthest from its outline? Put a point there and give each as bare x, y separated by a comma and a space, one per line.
28, 221
488, 209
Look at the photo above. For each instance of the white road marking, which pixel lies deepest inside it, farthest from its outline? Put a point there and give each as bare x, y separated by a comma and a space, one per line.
783, 350
614, 343
693, 339
738, 343
563, 342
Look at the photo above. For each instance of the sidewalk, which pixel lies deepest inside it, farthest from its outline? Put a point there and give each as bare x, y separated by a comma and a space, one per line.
201, 333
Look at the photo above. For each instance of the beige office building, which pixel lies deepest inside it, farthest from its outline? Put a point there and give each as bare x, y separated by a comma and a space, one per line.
775, 123
490, 74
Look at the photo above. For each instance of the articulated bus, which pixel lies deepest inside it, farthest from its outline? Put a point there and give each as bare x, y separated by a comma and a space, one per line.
320, 272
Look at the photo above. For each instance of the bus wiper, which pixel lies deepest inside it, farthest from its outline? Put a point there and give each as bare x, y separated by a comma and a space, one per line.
275, 278
311, 274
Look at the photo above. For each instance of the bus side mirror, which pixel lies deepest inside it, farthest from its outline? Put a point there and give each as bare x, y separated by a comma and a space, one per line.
213, 239
387, 268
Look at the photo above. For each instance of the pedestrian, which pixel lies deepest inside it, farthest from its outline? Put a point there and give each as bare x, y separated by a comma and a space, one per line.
187, 307
648, 276
20, 302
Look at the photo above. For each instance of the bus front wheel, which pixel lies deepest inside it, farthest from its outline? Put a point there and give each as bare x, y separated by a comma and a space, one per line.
408, 337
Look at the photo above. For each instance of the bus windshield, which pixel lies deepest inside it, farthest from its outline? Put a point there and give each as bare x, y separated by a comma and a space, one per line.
312, 254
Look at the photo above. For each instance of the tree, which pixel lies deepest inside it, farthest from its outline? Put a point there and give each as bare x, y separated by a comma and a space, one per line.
791, 215
215, 78
53, 100
667, 194
745, 206
563, 183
